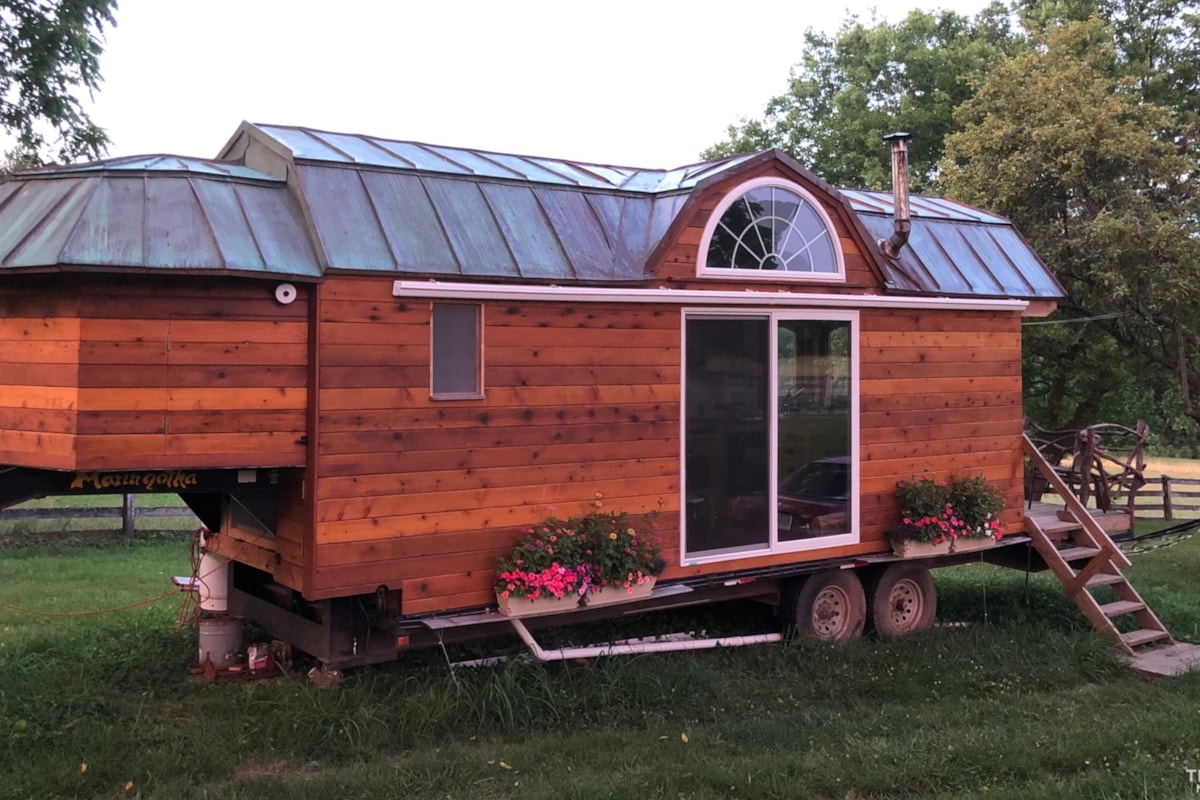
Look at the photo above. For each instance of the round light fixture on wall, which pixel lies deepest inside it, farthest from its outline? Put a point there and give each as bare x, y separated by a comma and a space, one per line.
285, 293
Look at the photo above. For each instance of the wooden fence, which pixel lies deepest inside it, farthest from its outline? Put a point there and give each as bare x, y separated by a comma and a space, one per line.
1168, 498
128, 513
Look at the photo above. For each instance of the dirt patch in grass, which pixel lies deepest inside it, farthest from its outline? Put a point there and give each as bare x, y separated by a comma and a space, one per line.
268, 769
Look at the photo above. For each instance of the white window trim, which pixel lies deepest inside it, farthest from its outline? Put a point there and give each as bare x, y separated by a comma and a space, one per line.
774, 546
479, 354
728, 273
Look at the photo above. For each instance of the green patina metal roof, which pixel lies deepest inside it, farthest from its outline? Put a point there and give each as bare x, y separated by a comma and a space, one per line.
956, 249
419, 209
324, 147
367, 204
154, 212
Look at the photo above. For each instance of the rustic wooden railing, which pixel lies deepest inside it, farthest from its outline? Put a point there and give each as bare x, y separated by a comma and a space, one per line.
1102, 463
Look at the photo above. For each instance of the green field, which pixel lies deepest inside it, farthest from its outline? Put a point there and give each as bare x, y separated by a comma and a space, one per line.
1011, 697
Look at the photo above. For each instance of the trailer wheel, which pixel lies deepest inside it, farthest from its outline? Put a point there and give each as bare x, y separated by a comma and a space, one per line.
903, 600
830, 606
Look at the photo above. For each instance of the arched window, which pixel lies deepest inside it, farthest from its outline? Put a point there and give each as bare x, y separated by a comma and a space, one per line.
769, 228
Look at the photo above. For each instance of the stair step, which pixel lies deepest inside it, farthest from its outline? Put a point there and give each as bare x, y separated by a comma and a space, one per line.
1120, 607
1104, 579
1143, 636
1055, 528
1070, 554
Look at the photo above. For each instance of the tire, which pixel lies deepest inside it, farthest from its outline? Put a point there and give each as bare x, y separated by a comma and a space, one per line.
903, 600
830, 606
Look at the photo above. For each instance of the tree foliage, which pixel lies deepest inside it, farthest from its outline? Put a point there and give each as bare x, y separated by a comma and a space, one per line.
1067, 141
50, 50
1082, 125
869, 80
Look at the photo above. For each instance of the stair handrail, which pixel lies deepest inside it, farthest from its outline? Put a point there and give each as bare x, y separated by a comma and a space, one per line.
1073, 504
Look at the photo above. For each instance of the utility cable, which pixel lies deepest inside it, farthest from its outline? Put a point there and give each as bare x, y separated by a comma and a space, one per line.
1075, 320
184, 616
92, 613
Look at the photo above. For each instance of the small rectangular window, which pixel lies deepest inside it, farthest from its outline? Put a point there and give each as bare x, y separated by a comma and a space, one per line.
457, 351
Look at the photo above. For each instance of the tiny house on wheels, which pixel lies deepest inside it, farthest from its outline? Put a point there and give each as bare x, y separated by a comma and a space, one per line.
368, 365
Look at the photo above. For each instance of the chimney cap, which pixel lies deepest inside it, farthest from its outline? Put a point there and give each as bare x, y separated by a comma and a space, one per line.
887, 137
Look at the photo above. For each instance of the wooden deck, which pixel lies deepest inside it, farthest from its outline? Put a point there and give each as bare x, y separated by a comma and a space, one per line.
1054, 518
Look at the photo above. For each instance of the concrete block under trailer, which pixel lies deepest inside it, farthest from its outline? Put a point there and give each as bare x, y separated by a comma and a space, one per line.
832, 599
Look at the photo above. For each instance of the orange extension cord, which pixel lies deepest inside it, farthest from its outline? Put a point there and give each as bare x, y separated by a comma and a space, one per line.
187, 611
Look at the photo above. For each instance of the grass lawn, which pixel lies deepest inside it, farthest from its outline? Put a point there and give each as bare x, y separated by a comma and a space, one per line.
1016, 698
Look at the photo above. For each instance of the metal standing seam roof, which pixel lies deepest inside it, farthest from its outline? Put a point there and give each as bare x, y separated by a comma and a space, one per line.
419, 209
154, 212
956, 249
408, 208
326, 147
435, 224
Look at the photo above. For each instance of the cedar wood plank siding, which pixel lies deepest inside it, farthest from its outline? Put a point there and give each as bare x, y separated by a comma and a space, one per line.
424, 495
39, 368
161, 372
178, 373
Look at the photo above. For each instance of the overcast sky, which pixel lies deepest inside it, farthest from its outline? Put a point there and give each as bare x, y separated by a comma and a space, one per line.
647, 83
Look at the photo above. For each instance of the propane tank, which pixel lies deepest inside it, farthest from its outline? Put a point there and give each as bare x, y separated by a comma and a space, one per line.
214, 582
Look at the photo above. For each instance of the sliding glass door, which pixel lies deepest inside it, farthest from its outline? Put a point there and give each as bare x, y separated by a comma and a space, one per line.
769, 432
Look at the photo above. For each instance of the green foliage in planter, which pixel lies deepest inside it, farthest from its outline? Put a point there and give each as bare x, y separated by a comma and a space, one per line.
559, 557
621, 554
966, 507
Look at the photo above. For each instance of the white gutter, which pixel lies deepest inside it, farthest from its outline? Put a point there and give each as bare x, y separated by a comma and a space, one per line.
636, 646
436, 290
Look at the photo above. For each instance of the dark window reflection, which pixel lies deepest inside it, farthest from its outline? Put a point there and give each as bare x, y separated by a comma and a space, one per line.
727, 428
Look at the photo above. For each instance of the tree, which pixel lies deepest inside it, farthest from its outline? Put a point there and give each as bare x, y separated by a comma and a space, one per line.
50, 49
867, 81
1066, 141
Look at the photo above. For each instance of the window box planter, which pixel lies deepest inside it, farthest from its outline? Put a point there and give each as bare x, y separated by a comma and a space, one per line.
608, 595
911, 548
545, 604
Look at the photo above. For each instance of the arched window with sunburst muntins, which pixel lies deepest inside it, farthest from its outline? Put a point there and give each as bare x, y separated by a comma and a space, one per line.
772, 229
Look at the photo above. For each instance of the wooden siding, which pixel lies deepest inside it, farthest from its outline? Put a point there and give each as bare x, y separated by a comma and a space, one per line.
39, 367
191, 373
284, 556
940, 396
103, 372
424, 495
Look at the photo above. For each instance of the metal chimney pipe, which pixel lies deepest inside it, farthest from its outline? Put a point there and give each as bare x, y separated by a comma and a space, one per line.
902, 222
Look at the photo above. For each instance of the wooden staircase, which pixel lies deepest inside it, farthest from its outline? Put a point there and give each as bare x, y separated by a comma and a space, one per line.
1080, 553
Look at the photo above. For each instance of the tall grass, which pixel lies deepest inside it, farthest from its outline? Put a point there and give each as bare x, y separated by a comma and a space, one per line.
1012, 696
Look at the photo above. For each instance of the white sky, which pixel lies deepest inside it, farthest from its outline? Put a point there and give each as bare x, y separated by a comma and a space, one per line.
647, 83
